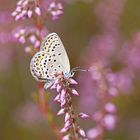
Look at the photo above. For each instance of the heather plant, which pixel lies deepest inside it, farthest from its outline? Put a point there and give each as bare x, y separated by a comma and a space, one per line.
27, 9
112, 65
109, 80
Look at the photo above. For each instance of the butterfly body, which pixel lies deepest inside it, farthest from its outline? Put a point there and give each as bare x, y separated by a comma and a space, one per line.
52, 58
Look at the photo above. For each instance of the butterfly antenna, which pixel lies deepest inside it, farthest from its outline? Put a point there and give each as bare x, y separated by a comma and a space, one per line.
79, 69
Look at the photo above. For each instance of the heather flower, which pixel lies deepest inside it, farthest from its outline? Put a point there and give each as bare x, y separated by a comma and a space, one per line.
64, 98
130, 53
37, 11
93, 133
73, 91
110, 107
72, 81
109, 121
64, 130
55, 9
27, 49
82, 132
29, 35
26, 9
103, 83
61, 111
67, 137
97, 116
83, 116
33, 9
67, 117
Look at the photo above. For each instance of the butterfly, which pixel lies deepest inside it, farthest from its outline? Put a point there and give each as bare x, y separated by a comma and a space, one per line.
52, 58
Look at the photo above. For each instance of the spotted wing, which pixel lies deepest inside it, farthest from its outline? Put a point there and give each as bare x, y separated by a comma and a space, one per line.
43, 66
53, 45
38, 66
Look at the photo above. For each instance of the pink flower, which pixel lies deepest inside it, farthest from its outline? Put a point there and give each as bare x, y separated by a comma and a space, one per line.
61, 111
37, 44
93, 133
25, 9
32, 39
83, 115
55, 9
109, 121
62, 97
37, 11
27, 49
67, 137
110, 107
22, 39
29, 13
113, 91
63, 130
67, 124
82, 133
57, 98
74, 92
58, 88
72, 81
97, 116
67, 117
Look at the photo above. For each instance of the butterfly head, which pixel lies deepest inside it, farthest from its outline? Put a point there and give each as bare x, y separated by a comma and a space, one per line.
69, 74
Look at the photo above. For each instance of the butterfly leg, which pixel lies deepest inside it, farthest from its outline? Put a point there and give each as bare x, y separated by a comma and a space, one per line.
48, 84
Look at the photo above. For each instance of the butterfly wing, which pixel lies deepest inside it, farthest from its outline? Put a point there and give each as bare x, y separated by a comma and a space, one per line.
51, 58
53, 45
38, 66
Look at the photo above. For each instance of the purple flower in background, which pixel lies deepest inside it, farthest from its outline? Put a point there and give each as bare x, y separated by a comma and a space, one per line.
93, 133
28, 114
31, 35
113, 66
5, 17
108, 13
109, 121
55, 9
6, 37
105, 83
130, 54
26, 9
110, 107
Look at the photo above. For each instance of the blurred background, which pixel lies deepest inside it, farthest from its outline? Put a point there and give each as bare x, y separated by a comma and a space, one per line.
90, 29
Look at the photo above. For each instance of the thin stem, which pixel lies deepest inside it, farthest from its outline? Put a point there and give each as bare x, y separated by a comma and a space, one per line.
73, 118
42, 100
103, 100
47, 111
